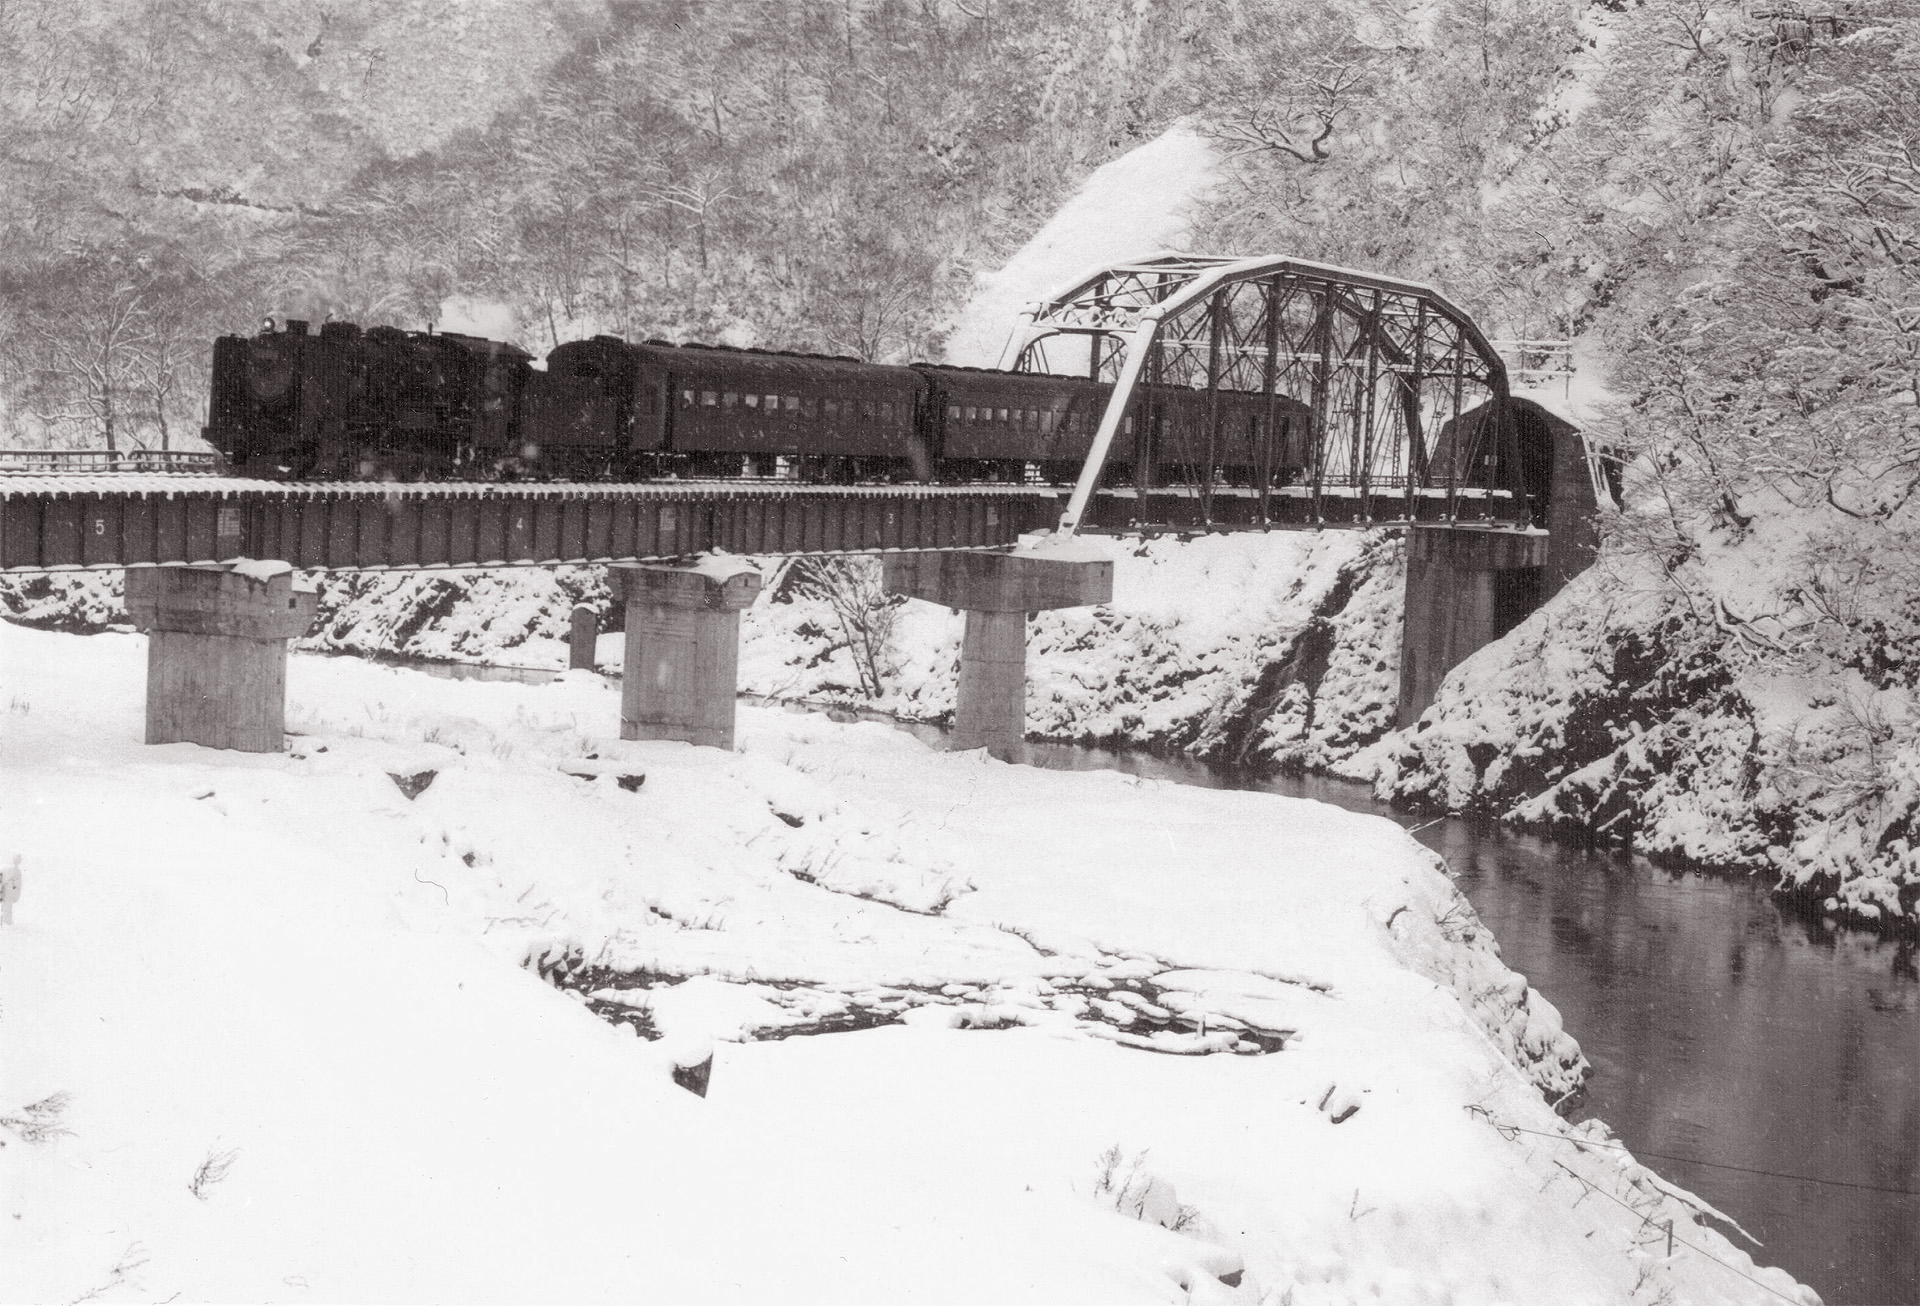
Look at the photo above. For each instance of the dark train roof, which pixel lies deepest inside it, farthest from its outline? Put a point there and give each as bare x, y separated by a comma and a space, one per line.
769, 353
1141, 385
998, 372
725, 359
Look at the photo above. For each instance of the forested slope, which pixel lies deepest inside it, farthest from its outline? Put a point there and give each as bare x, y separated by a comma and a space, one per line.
813, 175
800, 173
1734, 686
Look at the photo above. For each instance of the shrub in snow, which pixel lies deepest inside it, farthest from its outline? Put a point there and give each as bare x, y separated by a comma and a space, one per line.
211, 1171
864, 615
41, 1121
1278, 649
82, 601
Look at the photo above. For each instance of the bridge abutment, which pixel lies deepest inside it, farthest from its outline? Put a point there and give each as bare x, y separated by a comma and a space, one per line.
682, 662
997, 591
1465, 589
217, 651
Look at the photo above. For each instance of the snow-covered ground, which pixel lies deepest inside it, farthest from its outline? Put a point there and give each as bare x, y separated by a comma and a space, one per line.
271, 1029
1280, 648
1139, 204
1631, 710
1273, 649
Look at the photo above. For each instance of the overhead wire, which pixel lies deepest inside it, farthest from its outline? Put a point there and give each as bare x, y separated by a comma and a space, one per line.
1592, 1187
1508, 1130
1716, 1165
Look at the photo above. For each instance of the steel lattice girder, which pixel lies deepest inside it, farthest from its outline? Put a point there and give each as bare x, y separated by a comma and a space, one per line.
77, 522
1406, 394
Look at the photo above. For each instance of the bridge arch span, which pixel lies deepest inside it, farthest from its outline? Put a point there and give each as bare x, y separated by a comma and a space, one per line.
1380, 365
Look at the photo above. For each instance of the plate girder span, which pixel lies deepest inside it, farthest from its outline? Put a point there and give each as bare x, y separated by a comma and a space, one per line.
73, 523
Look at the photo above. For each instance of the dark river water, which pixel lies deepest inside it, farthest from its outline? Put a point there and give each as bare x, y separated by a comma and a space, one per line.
1766, 1062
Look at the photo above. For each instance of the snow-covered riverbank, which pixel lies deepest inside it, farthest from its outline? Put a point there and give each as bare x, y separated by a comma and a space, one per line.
1278, 649
287, 1026
1628, 712
1609, 715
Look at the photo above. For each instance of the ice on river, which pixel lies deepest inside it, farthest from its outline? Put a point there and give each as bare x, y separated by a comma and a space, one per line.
279, 1027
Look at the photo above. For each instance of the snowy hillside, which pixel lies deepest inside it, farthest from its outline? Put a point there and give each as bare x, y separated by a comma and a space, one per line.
1138, 204
309, 1054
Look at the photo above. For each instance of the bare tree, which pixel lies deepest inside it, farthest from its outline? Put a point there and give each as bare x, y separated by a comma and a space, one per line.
88, 321
865, 613
697, 195
1289, 100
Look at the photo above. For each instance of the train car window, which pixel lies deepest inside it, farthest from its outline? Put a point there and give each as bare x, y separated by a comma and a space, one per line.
709, 398
1126, 427
953, 412
773, 403
753, 401
866, 410
793, 403
1047, 418
1003, 415
973, 413
729, 399
830, 409
806, 408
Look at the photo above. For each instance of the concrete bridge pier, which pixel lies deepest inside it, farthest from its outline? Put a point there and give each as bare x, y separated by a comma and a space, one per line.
997, 591
217, 651
1465, 589
683, 647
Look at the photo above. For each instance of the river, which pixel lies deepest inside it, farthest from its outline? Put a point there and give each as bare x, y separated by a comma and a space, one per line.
1733, 1043
1768, 1063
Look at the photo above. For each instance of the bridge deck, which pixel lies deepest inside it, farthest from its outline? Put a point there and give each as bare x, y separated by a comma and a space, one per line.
1338, 506
57, 523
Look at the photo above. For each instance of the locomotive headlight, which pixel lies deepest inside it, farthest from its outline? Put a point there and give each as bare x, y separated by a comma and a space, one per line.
529, 450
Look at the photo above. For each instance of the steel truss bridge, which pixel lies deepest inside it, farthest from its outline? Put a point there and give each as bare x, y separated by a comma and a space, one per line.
1387, 402
1407, 406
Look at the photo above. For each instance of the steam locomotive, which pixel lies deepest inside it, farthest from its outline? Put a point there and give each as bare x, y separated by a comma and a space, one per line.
386, 404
